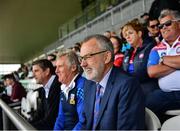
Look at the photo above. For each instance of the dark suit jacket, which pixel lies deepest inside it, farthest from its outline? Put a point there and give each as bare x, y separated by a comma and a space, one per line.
122, 106
47, 112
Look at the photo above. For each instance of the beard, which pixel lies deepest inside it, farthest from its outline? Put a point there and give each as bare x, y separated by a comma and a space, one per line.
93, 73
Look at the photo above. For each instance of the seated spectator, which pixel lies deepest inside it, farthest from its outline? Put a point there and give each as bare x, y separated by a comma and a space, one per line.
15, 91
153, 29
144, 19
113, 99
72, 96
125, 44
107, 34
117, 45
49, 95
2, 87
164, 64
135, 59
145, 16
76, 48
52, 58
22, 72
113, 33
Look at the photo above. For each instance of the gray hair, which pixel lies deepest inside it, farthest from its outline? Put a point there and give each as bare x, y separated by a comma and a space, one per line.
72, 58
174, 13
103, 42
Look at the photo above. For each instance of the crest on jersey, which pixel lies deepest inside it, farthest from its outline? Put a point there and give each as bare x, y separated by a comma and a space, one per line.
163, 54
72, 99
178, 50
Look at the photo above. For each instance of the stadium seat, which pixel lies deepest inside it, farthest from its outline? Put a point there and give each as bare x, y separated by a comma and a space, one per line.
173, 112
151, 120
171, 124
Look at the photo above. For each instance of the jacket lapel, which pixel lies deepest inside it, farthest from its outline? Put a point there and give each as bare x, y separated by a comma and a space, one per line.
106, 95
53, 86
90, 98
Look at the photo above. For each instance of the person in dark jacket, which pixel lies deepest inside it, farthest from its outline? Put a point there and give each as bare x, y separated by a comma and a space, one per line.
153, 30
135, 59
113, 99
49, 95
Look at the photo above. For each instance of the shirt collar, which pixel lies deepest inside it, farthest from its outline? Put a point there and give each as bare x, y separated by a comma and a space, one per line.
65, 89
48, 85
174, 43
104, 81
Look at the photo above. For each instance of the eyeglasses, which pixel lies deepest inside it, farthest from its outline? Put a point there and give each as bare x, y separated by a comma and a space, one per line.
90, 55
167, 23
153, 26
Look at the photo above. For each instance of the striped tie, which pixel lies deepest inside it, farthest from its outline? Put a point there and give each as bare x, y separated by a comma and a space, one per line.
99, 92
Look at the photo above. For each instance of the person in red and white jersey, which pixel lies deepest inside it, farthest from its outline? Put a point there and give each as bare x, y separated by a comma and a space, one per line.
164, 64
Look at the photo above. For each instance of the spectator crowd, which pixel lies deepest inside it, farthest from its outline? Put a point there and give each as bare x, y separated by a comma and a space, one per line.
106, 81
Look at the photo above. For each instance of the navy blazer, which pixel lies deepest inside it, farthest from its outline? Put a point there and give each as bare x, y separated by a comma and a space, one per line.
45, 116
122, 105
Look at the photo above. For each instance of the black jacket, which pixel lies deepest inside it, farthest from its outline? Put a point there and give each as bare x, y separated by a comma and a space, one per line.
47, 111
140, 63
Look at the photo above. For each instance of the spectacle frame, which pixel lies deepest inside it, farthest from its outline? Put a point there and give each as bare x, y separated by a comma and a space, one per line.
90, 55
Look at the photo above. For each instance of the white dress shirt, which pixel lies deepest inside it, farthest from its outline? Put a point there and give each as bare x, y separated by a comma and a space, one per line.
66, 88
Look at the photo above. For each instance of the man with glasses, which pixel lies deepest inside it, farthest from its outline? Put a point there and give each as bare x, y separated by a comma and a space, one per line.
113, 100
153, 29
164, 64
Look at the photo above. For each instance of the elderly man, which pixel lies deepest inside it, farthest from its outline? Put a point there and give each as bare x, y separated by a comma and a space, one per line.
49, 95
113, 99
71, 100
164, 64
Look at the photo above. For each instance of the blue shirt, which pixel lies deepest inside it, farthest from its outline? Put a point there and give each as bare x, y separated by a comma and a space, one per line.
104, 81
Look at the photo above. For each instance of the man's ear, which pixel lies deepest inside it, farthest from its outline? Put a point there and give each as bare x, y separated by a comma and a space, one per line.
108, 56
140, 33
73, 67
47, 71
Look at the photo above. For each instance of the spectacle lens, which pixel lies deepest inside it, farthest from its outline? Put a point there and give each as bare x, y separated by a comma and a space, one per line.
167, 23
153, 26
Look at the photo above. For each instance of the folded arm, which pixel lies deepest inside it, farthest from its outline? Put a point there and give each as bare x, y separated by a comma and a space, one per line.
160, 70
172, 61
159, 67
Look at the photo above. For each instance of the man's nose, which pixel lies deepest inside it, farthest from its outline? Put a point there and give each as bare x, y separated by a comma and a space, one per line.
83, 63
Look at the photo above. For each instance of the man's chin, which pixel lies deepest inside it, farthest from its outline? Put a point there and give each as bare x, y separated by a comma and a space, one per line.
90, 78
37, 82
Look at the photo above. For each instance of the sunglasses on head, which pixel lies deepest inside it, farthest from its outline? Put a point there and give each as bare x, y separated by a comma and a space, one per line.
167, 23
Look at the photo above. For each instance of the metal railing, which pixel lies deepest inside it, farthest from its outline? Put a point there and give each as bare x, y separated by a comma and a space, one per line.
16, 119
